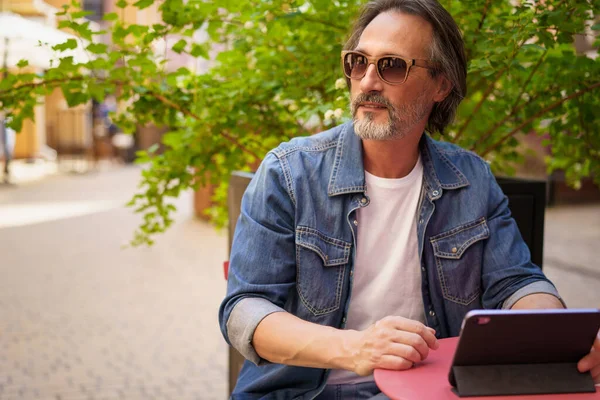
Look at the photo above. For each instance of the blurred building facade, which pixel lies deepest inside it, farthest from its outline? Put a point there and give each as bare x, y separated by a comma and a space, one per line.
57, 128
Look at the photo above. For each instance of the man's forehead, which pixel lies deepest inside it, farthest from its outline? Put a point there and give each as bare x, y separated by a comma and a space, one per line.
398, 33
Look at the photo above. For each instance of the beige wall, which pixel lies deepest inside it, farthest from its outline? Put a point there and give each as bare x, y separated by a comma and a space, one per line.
132, 15
32, 136
68, 129
56, 3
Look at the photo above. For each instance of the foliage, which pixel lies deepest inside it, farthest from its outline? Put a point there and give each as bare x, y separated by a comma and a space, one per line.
277, 75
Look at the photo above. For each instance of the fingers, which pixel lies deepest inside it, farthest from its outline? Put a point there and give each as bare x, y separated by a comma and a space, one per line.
413, 341
596, 345
596, 374
394, 363
589, 362
393, 343
409, 325
404, 351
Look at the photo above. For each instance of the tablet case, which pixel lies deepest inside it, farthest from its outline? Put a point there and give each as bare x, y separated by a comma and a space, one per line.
518, 353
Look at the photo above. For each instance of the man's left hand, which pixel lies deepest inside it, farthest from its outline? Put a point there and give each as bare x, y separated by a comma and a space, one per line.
591, 362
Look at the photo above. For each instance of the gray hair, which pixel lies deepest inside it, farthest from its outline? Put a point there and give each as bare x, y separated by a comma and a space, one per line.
447, 50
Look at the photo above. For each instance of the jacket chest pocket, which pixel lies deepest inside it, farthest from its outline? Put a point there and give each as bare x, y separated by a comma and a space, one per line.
459, 256
320, 266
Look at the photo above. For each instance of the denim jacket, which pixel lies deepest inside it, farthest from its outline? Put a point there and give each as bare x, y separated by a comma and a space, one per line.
294, 248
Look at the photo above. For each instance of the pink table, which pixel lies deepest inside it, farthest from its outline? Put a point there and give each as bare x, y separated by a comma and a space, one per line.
429, 380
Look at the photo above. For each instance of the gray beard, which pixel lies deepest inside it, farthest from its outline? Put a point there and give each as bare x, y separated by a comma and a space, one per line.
367, 128
400, 121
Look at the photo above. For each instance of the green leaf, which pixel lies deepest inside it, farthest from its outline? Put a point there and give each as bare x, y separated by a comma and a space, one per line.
97, 93
65, 23
110, 16
199, 51
596, 26
121, 3
138, 30
75, 98
70, 44
179, 47
81, 14
141, 4
97, 48
534, 47
22, 63
119, 33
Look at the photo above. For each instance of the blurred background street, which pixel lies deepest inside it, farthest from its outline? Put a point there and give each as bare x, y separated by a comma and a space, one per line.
83, 319
80, 318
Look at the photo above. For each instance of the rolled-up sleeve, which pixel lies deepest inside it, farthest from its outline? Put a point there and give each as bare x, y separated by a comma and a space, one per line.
262, 268
532, 288
242, 322
508, 273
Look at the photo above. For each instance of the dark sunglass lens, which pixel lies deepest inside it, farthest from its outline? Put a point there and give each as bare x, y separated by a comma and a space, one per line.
355, 65
392, 69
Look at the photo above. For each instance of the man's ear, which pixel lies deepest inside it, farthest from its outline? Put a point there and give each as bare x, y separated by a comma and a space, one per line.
444, 87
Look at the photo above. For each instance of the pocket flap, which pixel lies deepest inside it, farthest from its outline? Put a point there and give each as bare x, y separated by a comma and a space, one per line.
453, 243
332, 251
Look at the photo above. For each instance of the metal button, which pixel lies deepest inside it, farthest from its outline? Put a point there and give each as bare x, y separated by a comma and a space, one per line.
344, 320
326, 258
363, 200
454, 250
355, 223
421, 221
423, 269
435, 192
432, 313
352, 273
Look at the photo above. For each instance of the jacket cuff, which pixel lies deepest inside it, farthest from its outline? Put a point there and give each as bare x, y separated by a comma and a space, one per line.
242, 322
535, 287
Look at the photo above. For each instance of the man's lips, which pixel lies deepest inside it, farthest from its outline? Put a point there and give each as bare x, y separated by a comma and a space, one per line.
373, 105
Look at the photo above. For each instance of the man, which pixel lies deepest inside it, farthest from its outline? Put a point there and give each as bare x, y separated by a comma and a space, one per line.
359, 247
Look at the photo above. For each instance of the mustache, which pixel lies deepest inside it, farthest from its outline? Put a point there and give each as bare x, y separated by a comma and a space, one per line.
371, 98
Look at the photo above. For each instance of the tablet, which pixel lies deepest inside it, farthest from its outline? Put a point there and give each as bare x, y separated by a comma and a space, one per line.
537, 347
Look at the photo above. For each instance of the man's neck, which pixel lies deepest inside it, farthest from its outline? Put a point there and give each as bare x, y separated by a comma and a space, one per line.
391, 158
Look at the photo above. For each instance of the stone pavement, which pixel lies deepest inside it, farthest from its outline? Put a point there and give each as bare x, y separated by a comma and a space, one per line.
571, 253
82, 319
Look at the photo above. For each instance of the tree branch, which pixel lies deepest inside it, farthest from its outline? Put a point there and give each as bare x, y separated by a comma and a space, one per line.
37, 84
158, 96
187, 112
478, 106
339, 28
225, 21
483, 17
513, 110
536, 116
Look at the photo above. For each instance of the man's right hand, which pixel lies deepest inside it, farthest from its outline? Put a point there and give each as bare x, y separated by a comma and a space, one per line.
394, 343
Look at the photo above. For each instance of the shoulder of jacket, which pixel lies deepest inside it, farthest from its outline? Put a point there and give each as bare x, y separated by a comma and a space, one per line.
457, 154
322, 141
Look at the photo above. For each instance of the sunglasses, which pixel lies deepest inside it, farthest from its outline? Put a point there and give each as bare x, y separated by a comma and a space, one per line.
390, 69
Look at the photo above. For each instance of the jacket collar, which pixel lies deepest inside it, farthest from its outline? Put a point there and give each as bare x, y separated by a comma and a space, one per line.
348, 174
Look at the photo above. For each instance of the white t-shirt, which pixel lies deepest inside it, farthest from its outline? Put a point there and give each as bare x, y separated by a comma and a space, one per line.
387, 273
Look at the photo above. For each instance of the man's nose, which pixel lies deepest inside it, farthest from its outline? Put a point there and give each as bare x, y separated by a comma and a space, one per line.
371, 81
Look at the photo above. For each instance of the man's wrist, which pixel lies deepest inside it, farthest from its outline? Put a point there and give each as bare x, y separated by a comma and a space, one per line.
347, 350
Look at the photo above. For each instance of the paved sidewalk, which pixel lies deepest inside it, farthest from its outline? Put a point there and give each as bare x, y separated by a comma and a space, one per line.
22, 171
82, 319
571, 249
